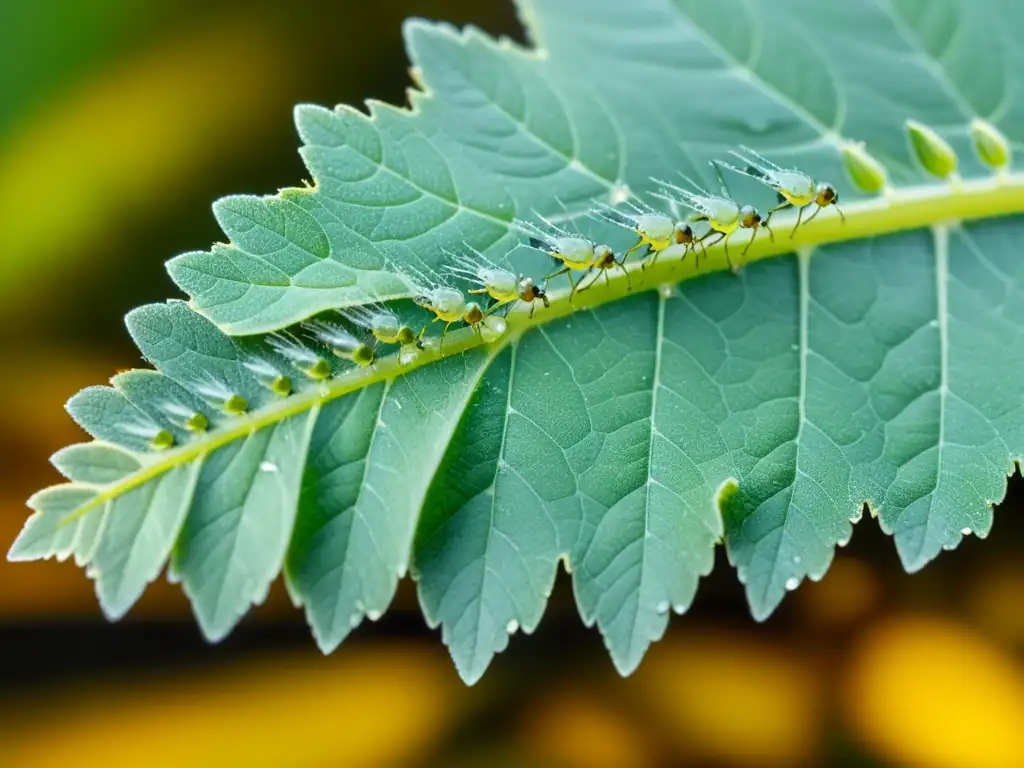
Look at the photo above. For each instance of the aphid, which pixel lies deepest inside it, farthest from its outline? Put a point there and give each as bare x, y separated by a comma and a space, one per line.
500, 284
193, 421
447, 304
723, 214
487, 327
656, 231
528, 293
269, 376
573, 252
604, 259
300, 356
497, 282
218, 393
341, 342
159, 439
381, 322
794, 188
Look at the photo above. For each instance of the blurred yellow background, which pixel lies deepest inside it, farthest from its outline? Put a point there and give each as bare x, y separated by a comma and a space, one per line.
120, 122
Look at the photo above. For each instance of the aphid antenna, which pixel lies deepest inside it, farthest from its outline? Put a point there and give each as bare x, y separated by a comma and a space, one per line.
717, 166
640, 207
552, 226
765, 177
290, 347
751, 155
330, 334
261, 367
361, 314
139, 428
176, 410
606, 213
690, 180
689, 199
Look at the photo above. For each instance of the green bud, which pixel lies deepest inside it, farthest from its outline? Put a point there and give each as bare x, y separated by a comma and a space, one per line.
865, 171
197, 422
162, 440
992, 147
937, 157
235, 405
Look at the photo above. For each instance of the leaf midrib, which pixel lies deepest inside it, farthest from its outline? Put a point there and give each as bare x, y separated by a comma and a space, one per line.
905, 209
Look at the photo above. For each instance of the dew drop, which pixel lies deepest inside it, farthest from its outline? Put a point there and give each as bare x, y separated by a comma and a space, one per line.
966, 531
354, 619
512, 627
373, 615
665, 290
792, 583
407, 355
843, 542
662, 607
268, 466
796, 559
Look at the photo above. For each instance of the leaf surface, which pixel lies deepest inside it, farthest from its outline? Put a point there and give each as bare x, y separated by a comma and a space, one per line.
622, 432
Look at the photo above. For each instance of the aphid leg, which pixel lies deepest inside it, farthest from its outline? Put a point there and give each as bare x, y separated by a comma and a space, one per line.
496, 306
574, 284
639, 245
811, 218
440, 347
562, 271
841, 215
782, 204
629, 281
580, 285
799, 216
728, 258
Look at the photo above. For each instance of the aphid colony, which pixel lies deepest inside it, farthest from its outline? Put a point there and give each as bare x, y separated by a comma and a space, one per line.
352, 335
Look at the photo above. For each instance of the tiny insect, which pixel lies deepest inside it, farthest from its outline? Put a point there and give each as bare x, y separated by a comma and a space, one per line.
342, 343
497, 282
217, 392
604, 259
269, 376
487, 327
313, 365
503, 286
723, 214
793, 187
656, 231
381, 322
573, 252
159, 439
447, 304
193, 421
529, 293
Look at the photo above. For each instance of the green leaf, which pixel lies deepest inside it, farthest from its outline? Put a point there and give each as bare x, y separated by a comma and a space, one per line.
622, 431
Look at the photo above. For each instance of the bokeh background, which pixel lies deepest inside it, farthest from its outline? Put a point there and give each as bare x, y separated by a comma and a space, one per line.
120, 122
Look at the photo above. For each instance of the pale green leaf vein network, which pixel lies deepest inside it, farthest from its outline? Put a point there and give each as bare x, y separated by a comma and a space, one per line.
885, 369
